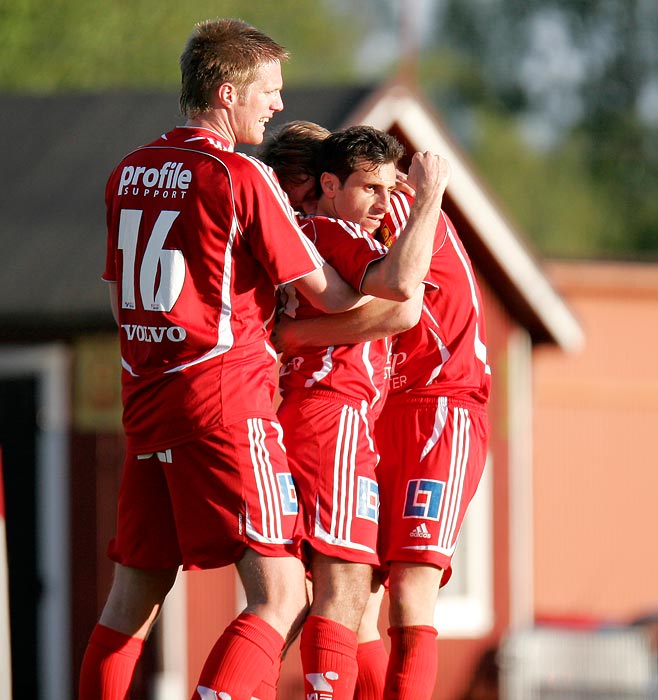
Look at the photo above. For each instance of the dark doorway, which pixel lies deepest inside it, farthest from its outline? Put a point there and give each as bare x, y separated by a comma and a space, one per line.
18, 427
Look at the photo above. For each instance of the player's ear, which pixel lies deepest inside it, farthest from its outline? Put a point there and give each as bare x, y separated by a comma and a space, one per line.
330, 184
226, 94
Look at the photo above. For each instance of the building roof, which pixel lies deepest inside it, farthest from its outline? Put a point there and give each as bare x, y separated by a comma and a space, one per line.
57, 155
60, 150
499, 249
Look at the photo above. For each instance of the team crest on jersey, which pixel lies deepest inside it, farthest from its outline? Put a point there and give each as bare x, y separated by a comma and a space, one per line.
289, 503
423, 499
385, 235
368, 499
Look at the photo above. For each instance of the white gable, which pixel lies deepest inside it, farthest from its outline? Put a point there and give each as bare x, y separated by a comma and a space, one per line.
396, 104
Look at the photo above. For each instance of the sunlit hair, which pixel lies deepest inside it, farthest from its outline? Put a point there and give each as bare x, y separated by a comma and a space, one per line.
292, 151
222, 51
343, 152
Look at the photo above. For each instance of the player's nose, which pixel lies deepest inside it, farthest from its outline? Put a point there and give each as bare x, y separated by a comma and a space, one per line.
383, 203
277, 103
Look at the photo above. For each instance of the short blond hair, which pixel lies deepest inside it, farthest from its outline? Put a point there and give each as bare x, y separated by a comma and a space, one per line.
222, 51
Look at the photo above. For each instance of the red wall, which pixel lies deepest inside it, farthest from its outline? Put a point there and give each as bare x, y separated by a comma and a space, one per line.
97, 461
459, 657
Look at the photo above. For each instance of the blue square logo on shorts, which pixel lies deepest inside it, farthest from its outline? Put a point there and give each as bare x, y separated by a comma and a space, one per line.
368, 499
423, 499
289, 504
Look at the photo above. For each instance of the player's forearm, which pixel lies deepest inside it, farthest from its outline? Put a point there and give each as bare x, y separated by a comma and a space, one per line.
398, 275
328, 291
377, 319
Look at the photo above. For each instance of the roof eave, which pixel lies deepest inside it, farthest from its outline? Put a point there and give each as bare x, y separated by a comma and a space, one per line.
395, 103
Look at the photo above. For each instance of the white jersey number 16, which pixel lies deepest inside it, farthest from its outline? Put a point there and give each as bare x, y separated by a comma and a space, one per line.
170, 263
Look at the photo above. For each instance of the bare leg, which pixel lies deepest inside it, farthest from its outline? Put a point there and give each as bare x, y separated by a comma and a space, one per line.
247, 655
340, 590
412, 666
329, 644
275, 588
135, 599
116, 643
371, 655
414, 589
369, 628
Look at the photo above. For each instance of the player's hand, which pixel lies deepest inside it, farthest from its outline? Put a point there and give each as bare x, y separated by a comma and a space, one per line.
429, 174
282, 336
402, 183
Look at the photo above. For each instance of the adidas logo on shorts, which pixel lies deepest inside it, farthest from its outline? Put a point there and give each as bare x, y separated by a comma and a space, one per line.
420, 531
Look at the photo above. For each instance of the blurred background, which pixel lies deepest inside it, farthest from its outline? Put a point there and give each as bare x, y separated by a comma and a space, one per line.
551, 107
556, 101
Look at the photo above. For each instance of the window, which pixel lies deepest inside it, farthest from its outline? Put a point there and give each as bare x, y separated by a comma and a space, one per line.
465, 607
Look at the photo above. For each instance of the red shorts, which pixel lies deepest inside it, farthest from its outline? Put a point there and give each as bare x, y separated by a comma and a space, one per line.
204, 502
332, 458
433, 452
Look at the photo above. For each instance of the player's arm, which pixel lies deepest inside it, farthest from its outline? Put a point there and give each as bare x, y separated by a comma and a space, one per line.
376, 319
397, 275
327, 291
114, 302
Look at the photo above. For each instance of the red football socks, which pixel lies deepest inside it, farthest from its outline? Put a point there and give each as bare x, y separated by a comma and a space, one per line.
108, 664
328, 651
267, 688
241, 658
413, 664
372, 659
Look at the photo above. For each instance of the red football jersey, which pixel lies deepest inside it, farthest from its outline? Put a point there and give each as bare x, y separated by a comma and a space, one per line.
357, 371
198, 238
445, 354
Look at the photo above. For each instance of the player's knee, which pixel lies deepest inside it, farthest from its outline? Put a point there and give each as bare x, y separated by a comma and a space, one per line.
369, 626
413, 594
341, 591
285, 610
275, 588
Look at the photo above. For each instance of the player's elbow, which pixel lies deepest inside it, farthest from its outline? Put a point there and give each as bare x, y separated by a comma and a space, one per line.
330, 305
388, 279
392, 289
327, 291
406, 314
336, 301
406, 290
409, 316
401, 289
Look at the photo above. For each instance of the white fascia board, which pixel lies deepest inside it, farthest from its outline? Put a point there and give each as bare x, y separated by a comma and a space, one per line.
399, 106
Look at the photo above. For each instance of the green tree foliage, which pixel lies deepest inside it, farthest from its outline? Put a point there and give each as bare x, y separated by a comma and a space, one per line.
548, 194
578, 80
554, 100
56, 45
